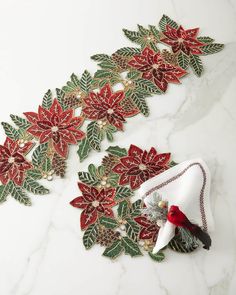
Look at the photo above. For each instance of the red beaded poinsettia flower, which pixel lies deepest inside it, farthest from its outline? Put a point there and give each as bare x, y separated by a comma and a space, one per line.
184, 40
55, 125
106, 105
95, 203
149, 230
156, 69
12, 161
140, 165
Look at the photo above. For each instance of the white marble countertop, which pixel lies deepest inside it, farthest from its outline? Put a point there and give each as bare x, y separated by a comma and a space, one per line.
42, 43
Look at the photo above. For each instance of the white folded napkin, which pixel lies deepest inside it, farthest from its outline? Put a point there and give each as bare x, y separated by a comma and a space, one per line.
186, 185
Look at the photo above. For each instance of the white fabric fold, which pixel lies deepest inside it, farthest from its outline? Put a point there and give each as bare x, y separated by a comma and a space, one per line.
186, 185
166, 233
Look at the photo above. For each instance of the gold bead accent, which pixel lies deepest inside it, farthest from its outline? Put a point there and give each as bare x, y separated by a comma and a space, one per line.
162, 204
49, 177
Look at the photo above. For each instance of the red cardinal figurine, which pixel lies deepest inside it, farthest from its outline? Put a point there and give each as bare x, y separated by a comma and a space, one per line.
178, 218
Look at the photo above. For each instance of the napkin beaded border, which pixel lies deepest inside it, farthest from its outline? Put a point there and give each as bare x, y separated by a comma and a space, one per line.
201, 198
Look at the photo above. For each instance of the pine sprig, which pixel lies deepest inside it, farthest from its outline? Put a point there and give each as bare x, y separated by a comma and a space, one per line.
19, 194
93, 135
86, 81
47, 99
10, 131
34, 187
39, 154
20, 122
90, 235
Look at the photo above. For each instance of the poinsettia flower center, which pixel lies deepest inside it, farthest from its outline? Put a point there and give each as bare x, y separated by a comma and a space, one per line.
151, 38
95, 203
142, 167
155, 66
11, 160
110, 111
180, 40
54, 128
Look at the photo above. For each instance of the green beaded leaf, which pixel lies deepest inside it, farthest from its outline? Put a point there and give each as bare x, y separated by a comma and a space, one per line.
92, 170
10, 131
100, 57
101, 170
148, 86
4, 191
46, 164
60, 97
133, 75
39, 154
20, 122
165, 20
34, 187
196, 65
140, 103
117, 151
47, 99
123, 192
212, 48
143, 31
34, 173
3, 194
102, 74
123, 209
114, 250
84, 149
75, 80
113, 179
107, 65
206, 40
132, 229
108, 222
87, 178
183, 60
132, 35
136, 208
109, 130
93, 136
154, 47
90, 236
173, 163
18, 194
154, 32
144, 37
73, 85
109, 135
128, 51
86, 81
131, 248
158, 257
